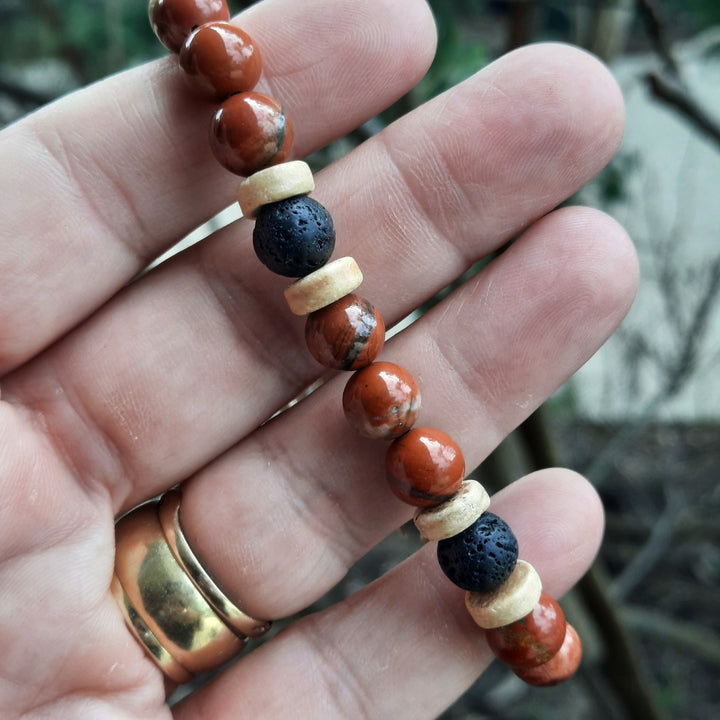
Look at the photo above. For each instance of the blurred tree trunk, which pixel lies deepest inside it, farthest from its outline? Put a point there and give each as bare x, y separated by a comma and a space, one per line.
610, 29
620, 662
533, 447
520, 23
115, 55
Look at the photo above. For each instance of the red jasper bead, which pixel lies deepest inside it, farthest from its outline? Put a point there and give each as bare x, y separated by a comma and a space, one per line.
533, 640
347, 334
424, 467
381, 401
221, 59
173, 20
558, 669
250, 132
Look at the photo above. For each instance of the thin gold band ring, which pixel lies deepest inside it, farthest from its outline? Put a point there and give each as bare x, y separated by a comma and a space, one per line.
232, 615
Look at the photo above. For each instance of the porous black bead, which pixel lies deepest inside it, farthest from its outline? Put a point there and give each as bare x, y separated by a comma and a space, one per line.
294, 237
482, 557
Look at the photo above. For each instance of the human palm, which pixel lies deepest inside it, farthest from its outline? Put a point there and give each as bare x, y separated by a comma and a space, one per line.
114, 390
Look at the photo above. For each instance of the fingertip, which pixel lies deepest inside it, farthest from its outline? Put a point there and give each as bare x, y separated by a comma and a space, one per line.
588, 255
558, 519
551, 102
362, 57
604, 250
623, 267
561, 70
421, 33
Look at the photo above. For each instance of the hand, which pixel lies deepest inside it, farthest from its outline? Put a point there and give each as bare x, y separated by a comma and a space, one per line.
113, 391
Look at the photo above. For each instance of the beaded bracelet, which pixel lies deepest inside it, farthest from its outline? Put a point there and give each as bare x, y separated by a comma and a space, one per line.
294, 237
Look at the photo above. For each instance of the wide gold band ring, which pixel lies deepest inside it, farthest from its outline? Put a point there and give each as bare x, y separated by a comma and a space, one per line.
171, 605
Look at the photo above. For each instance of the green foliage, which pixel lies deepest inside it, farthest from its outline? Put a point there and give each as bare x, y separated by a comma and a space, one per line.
563, 404
702, 12
94, 37
460, 52
612, 181
670, 697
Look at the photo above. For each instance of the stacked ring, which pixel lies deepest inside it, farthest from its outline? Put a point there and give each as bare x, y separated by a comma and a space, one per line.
172, 605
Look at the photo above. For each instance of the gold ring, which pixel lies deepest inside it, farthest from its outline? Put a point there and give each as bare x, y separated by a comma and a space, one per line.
169, 514
169, 665
161, 605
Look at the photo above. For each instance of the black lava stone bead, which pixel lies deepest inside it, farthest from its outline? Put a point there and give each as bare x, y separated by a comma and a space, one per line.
294, 237
482, 557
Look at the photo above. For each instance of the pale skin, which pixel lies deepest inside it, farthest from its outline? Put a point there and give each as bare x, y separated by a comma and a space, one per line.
113, 392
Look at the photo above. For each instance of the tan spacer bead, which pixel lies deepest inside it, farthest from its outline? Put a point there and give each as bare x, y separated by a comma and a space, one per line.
324, 286
454, 515
278, 182
512, 601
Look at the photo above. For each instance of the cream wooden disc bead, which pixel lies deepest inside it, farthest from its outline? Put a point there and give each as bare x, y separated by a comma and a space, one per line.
454, 515
324, 286
278, 182
512, 601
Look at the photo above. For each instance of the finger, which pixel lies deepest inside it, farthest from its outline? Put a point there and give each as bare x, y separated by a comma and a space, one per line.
56, 560
485, 359
404, 646
100, 182
208, 343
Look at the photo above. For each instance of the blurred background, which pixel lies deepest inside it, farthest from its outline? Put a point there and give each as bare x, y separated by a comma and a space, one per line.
641, 419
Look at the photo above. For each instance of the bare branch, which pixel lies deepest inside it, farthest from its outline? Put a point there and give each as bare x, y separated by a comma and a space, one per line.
22, 94
622, 666
701, 642
652, 551
672, 91
655, 29
686, 362
668, 86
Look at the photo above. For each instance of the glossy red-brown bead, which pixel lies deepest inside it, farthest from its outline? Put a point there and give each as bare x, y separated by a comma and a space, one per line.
533, 640
560, 667
425, 467
173, 20
250, 132
221, 59
347, 334
381, 401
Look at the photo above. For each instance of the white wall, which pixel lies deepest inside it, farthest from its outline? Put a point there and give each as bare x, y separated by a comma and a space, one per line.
672, 211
